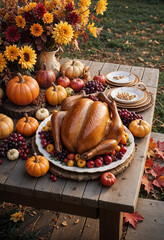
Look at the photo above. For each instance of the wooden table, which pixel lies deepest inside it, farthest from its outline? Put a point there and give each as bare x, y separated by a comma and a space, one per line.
86, 198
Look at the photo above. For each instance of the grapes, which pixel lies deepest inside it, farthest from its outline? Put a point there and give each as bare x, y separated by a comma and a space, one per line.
127, 117
15, 140
93, 87
92, 97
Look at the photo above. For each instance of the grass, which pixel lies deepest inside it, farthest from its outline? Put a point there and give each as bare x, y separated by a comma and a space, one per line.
132, 34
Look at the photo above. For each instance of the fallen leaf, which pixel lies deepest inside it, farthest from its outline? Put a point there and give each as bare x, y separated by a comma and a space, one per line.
134, 33
150, 154
70, 216
156, 42
152, 144
149, 163
77, 221
54, 219
133, 218
157, 170
64, 223
140, 59
155, 18
143, 23
130, 21
109, 30
159, 182
159, 32
127, 43
147, 184
126, 6
156, 58
159, 150
145, 52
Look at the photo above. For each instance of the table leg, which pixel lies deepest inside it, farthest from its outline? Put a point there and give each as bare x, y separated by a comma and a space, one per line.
110, 225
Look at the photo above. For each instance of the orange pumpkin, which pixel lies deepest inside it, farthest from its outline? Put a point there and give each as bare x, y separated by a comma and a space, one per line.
45, 77
6, 126
55, 94
22, 90
27, 126
37, 165
139, 128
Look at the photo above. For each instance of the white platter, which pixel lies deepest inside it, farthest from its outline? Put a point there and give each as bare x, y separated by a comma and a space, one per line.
127, 77
83, 170
131, 90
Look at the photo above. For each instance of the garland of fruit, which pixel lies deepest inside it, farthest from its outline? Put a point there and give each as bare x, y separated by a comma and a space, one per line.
74, 78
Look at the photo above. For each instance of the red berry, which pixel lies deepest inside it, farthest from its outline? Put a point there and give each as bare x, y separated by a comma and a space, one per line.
51, 176
0, 162
54, 179
65, 160
123, 149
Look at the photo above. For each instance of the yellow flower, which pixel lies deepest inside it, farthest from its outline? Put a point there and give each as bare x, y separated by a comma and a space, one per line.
48, 5
20, 10
30, 6
36, 30
12, 53
2, 62
20, 21
92, 29
84, 11
27, 57
84, 3
48, 17
17, 216
101, 7
63, 33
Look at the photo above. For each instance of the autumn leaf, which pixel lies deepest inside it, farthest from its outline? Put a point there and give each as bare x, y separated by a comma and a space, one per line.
159, 182
159, 150
150, 154
147, 184
149, 163
152, 144
133, 218
159, 32
140, 59
157, 170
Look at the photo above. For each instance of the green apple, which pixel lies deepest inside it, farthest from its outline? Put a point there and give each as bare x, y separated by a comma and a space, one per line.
69, 91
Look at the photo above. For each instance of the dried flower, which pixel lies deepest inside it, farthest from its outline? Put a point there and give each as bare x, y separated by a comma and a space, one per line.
40, 10
12, 34
17, 216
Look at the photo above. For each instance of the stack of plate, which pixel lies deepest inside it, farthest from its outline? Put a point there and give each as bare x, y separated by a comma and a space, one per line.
141, 99
121, 79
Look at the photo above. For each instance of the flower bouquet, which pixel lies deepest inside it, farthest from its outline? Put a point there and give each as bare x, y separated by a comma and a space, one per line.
29, 27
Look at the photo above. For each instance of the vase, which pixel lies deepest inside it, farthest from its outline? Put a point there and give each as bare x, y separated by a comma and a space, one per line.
50, 60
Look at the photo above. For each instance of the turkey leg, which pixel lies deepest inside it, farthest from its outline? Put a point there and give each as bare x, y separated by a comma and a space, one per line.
105, 147
56, 122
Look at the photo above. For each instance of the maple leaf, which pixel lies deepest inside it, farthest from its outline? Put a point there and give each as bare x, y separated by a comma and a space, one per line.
159, 150
149, 163
133, 218
152, 144
150, 154
148, 186
159, 182
157, 170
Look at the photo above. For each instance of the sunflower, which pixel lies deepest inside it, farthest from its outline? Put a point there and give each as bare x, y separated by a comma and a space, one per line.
48, 18
20, 21
12, 53
27, 57
63, 33
36, 30
92, 29
101, 7
2, 62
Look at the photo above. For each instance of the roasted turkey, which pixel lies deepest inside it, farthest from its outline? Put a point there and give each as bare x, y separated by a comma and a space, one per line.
87, 127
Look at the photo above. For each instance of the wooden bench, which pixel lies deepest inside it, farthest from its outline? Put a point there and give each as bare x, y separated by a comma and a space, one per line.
86, 198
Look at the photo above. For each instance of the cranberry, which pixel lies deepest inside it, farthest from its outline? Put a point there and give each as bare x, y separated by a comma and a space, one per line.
24, 147
54, 179
51, 176
65, 160
42, 136
114, 158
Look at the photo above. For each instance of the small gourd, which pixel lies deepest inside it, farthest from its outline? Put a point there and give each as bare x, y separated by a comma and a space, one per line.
6, 126
45, 77
139, 128
27, 126
42, 113
55, 94
86, 74
13, 154
72, 68
37, 165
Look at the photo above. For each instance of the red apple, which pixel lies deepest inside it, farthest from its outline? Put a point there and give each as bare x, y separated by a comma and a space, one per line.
63, 81
71, 156
90, 164
108, 179
98, 162
107, 159
77, 84
100, 78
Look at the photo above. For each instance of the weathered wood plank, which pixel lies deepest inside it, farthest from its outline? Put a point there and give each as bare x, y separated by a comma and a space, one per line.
5, 169
138, 71
43, 187
152, 225
73, 191
91, 230
125, 68
71, 231
15, 179
28, 184
57, 189
157, 136
150, 77
109, 67
95, 67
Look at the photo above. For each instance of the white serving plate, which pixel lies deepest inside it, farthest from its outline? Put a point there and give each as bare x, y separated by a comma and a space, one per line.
131, 90
128, 77
83, 170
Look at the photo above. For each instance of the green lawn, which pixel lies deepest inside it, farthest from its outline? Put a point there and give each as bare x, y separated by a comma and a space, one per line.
133, 33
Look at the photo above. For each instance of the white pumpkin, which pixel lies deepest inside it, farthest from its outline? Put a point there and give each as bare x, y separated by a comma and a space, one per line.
72, 68
13, 154
42, 113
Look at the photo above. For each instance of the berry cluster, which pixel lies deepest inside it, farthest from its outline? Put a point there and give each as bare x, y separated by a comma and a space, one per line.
46, 138
54, 178
92, 97
17, 141
93, 87
127, 117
